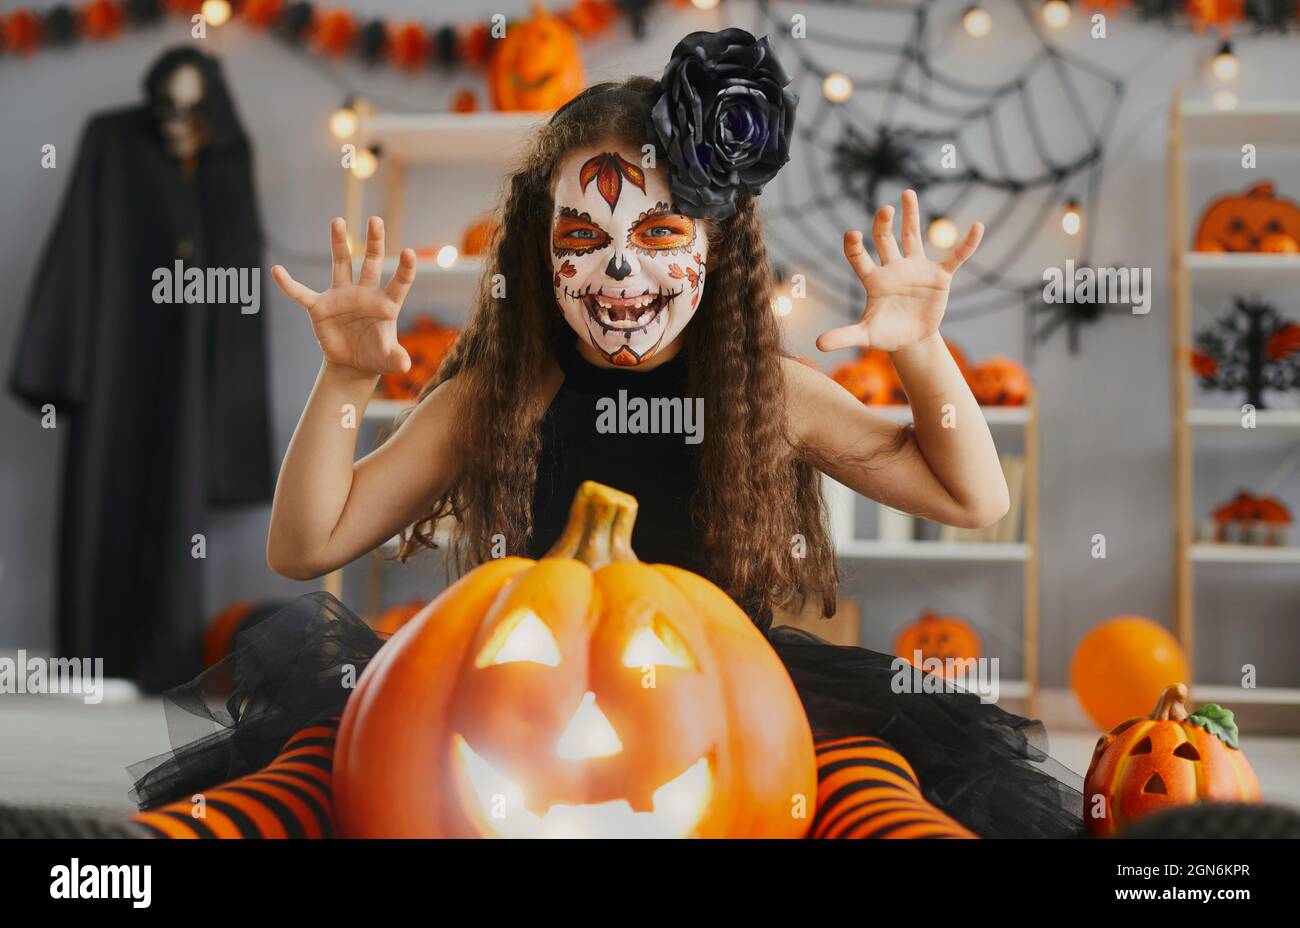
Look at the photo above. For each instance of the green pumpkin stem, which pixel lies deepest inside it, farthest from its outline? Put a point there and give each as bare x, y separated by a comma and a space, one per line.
599, 530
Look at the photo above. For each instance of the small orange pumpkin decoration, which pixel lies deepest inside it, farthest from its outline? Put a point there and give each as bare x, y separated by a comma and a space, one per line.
871, 378
938, 636
427, 342
1243, 222
464, 102
999, 381
1279, 244
389, 621
536, 65
1168, 759
478, 237
585, 693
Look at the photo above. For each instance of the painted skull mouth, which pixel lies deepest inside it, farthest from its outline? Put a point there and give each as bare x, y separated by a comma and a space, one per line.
623, 312
676, 810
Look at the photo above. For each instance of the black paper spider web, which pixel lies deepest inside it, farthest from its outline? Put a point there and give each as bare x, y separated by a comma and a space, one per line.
888, 136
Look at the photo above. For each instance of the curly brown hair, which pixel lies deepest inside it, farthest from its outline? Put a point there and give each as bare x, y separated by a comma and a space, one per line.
756, 495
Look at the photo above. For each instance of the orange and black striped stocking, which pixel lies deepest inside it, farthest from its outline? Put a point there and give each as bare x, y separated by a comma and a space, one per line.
288, 798
866, 789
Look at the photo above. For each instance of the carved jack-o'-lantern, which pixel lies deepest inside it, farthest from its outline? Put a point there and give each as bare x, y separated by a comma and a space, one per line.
938, 636
536, 65
1172, 758
427, 342
1257, 220
871, 378
999, 381
584, 694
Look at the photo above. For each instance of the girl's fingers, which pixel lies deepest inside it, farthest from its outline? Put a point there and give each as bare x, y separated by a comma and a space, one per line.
400, 285
373, 263
856, 252
306, 297
397, 360
846, 336
341, 254
882, 233
913, 244
964, 249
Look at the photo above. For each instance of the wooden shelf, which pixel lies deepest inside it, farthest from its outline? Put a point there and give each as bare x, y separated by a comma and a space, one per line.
1006, 416
1212, 553
933, 550
449, 138
1227, 695
1219, 276
1231, 419
1260, 122
382, 410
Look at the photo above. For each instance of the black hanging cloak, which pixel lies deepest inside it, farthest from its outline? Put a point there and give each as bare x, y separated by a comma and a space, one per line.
164, 406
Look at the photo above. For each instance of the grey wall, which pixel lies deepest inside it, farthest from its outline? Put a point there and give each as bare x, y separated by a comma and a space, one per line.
1105, 411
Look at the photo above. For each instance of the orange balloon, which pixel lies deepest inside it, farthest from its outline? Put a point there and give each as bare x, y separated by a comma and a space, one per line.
1121, 667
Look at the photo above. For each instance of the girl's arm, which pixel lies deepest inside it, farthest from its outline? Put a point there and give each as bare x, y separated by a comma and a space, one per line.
328, 510
946, 468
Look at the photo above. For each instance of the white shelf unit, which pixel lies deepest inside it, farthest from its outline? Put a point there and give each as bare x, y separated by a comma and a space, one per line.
1211, 279
840, 504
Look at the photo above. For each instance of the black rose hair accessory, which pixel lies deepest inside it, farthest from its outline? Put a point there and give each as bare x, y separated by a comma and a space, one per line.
722, 116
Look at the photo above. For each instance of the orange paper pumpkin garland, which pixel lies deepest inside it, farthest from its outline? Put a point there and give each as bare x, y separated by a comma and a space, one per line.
1167, 759
585, 693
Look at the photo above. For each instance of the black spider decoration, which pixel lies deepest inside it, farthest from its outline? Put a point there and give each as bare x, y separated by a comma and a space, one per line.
862, 163
1272, 15
1252, 348
1049, 317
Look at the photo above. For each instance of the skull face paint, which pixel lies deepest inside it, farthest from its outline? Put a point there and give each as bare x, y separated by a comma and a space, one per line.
628, 268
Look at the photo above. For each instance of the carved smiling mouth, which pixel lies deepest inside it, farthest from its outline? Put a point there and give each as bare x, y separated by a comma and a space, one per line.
677, 808
625, 312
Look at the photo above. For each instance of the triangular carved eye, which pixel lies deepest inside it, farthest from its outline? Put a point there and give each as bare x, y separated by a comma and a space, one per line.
660, 648
522, 637
1187, 751
1156, 785
1142, 747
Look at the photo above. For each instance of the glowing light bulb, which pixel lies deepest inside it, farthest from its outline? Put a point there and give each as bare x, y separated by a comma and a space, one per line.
837, 87
942, 232
366, 164
1225, 65
782, 305
216, 12
1072, 218
977, 21
1056, 14
704, 4
343, 122
1224, 100
447, 256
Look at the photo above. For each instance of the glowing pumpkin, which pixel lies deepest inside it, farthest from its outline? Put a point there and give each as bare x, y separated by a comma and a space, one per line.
999, 381
536, 65
1244, 222
938, 636
583, 694
1168, 759
427, 342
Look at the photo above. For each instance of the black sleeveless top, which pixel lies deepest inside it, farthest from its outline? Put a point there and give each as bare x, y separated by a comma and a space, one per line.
659, 469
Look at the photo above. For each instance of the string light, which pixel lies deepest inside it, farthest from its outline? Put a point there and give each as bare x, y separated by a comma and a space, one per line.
942, 232
1056, 14
216, 12
1072, 218
704, 4
447, 256
837, 87
1225, 64
1224, 100
366, 164
977, 21
343, 121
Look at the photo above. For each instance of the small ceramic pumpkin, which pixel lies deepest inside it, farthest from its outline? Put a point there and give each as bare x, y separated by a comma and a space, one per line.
536, 65
999, 381
871, 378
1243, 222
478, 236
584, 694
1168, 759
427, 342
938, 636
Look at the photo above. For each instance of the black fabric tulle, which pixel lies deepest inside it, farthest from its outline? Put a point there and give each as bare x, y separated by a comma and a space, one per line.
987, 768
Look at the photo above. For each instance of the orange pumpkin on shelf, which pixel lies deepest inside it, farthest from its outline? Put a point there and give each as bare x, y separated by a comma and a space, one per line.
1243, 222
1279, 244
390, 621
477, 237
999, 381
585, 693
938, 636
427, 342
1167, 759
871, 378
536, 65
464, 102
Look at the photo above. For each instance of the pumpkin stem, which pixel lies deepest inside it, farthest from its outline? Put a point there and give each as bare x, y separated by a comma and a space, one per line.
1172, 704
599, 530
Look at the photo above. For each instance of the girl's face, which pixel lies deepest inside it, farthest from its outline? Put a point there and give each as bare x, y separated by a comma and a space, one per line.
628, 268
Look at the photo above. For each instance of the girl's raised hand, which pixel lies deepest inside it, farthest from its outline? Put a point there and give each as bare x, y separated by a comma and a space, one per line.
356, 323
907, 293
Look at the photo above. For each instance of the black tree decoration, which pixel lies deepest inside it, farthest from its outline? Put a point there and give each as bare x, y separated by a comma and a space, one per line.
1251, 348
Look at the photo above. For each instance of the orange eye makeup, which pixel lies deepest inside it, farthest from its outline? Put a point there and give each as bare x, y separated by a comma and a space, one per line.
661, 230
576, 233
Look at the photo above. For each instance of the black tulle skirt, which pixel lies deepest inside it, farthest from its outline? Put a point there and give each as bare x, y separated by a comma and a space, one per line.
986, 767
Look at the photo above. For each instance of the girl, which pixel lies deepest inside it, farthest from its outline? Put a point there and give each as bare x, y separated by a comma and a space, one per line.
612, 271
